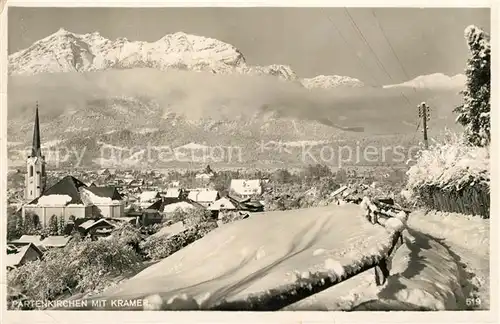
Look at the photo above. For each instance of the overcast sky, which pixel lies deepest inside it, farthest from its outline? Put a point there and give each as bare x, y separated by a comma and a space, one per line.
308, 39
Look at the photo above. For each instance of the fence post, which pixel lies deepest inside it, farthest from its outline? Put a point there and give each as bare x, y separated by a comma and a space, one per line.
381, 272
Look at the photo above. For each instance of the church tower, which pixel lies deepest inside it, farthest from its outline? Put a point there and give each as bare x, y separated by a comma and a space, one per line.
35, 175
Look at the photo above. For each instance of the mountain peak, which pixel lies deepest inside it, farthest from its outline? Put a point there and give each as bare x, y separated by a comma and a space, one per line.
330, 81
62, 31
433, 81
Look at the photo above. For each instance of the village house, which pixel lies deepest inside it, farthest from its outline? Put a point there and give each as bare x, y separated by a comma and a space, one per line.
246, 204
28, 239
222, 204
173, 195
56, 241
204, 197
19, 255
146, 198
42, 243
174, 184
135, 183
184, 206
246, 188
204, 177
96, 228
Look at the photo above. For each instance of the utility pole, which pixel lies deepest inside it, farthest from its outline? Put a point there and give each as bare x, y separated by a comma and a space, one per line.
423, 112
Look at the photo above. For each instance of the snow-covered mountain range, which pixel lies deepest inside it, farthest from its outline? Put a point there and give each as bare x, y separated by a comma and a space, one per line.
65, 51
93, 90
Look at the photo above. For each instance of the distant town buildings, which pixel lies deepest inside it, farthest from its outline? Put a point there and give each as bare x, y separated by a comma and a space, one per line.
246, 188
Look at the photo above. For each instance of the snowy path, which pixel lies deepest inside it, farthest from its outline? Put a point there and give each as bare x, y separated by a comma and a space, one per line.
444, 261
468, 240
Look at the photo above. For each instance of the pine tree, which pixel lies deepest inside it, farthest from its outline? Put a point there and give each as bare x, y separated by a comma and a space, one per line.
28, 224
208, 170
53, 226
474, 113
19, 223
61, 225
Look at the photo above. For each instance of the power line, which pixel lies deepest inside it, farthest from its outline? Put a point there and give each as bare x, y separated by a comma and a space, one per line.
395, 54
360, 33
390, 46
353, 50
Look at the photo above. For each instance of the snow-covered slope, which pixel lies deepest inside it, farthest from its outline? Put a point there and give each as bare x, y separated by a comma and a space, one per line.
330, 81
241, 266
433, 81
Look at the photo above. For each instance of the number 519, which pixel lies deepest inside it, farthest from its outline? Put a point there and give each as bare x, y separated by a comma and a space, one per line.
473, 301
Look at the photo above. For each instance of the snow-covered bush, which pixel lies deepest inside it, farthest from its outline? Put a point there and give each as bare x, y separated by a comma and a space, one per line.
451, 176
82, 266
198, 223
474, 113
451, 165
159, 247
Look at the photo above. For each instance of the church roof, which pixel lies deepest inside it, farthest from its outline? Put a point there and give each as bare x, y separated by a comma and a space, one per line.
108, 191
66, 186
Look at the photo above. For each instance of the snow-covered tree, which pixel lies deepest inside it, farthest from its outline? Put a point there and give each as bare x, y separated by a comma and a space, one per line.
474, 113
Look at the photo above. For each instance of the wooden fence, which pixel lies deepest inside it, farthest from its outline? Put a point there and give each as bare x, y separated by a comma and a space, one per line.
470, 200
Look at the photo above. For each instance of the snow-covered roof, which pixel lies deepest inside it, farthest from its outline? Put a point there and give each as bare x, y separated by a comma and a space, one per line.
14, 259
243, 186
53, 200
67, 186
205, 195
91, 223
173, 229
170, 208
56, 241
148, 196
98, 200
221, 204
204, 176
172, 193
35, 239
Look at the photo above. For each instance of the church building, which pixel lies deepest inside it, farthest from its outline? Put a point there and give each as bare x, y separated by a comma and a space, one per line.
68, 199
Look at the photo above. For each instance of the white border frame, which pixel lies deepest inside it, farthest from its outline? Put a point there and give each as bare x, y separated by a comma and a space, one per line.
253, 317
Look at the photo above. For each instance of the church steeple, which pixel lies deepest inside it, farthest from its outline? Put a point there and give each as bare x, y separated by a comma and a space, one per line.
35, 165
36, 149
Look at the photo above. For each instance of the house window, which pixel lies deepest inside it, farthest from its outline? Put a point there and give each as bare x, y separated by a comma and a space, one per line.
31, 170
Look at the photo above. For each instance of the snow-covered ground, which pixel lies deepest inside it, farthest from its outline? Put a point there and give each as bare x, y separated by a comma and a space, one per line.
443, 261
240, 259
